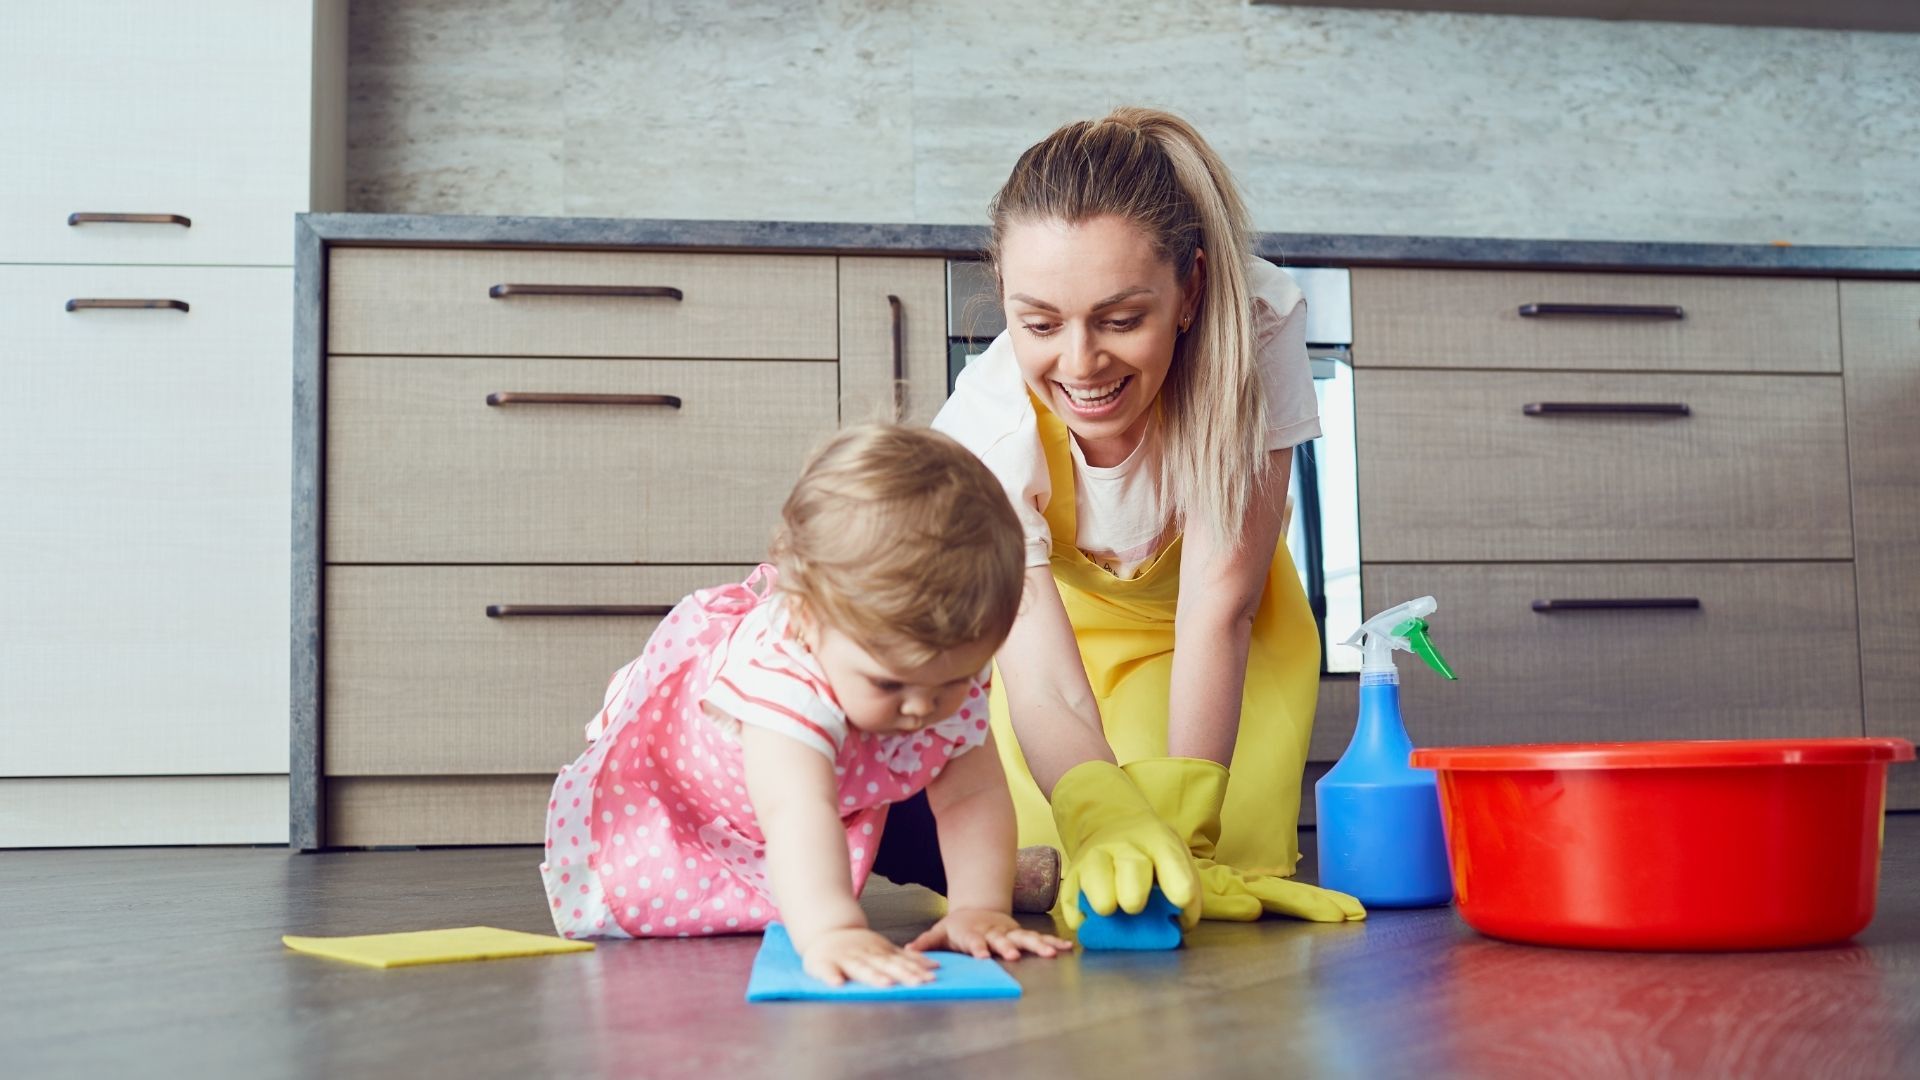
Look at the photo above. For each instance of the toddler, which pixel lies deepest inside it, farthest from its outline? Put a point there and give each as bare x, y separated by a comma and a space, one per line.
742, 764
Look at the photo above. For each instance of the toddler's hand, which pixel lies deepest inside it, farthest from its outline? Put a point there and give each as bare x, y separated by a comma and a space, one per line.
866, 957
982, 933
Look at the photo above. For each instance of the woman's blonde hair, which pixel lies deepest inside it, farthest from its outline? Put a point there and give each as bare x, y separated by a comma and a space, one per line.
901, 539
1153, 169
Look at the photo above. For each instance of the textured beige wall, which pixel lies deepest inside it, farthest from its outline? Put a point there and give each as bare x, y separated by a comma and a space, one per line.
1336, 121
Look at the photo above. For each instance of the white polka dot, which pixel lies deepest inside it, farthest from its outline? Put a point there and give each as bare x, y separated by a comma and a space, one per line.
680, 894
653, 803
859, 853
633, 913
659, 903
706, 929
733, 922
654, 851
618, 839
646, 928
740, 894
872, 787
631, 809
867, 829
847, 800
693, 913
753, 912
606, 816
618, 890
667, 873
631, 861
619, 789
689, 864
706, 883
671, 921
718, 903
645, 883
639, 832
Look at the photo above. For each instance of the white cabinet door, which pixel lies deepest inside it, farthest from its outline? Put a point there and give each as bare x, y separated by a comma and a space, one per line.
145, 458
203, 110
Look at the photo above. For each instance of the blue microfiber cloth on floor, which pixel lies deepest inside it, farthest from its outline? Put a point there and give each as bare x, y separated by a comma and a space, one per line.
1156, 927
778, 976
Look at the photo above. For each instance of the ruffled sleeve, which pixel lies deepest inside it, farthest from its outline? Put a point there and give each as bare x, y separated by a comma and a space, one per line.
1280, 356
767, 681
989, 414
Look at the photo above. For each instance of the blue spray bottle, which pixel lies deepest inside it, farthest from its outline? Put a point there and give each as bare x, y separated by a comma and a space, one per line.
1379, 818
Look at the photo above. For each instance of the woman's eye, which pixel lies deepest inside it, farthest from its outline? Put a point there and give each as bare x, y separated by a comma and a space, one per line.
1039, 329
1123, 325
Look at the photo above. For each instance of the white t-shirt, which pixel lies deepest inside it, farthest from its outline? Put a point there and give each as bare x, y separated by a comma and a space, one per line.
1124, 518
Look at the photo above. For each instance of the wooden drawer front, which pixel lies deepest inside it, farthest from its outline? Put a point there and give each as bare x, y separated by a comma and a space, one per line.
421, 469
1471, 319
421, 681
1771, 652
201, 110
369, 811
441, 302
1453, 469
144, 457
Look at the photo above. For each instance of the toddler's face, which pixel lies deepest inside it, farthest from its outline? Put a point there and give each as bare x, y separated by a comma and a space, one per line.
880, 697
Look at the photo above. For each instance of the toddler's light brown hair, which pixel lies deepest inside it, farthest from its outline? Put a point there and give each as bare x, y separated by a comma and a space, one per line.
901, 539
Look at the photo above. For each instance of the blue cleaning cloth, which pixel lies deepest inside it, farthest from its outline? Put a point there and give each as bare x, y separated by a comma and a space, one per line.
778, 976
1156, 927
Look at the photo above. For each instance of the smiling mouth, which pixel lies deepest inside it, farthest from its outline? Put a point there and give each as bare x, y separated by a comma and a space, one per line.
1093, 397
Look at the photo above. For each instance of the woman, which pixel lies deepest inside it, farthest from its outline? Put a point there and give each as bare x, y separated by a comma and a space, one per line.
1141, 410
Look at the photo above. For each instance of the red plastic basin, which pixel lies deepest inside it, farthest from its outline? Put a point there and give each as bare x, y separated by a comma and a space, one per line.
1750, 844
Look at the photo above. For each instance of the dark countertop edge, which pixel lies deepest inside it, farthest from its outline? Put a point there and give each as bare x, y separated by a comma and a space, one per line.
1298, 249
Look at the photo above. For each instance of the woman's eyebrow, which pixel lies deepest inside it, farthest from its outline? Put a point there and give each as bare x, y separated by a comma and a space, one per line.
1124, 294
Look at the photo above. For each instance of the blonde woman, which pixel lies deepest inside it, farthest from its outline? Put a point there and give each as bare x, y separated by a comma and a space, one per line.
1157, 690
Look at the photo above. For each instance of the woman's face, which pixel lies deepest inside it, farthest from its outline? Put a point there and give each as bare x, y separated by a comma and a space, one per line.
1094, 314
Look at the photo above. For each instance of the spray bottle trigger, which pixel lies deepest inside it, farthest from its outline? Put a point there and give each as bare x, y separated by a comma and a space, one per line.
1415, 633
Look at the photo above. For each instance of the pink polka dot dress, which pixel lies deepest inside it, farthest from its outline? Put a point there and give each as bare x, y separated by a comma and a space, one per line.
651, 833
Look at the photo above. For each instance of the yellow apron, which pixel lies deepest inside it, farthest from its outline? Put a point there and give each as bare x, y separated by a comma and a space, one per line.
1124, 627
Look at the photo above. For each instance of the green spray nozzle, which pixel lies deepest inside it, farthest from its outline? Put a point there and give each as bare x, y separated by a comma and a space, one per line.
1401, 627
1415, 631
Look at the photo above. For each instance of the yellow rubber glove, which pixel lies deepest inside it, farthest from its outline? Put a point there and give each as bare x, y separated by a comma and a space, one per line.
1117, 847
1187, 793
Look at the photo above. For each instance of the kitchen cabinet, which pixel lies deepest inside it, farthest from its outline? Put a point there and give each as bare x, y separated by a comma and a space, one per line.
1881, 321
526, 457
1633, 506
157, 156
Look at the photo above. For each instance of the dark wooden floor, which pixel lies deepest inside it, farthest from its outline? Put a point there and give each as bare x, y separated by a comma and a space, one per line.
168, 963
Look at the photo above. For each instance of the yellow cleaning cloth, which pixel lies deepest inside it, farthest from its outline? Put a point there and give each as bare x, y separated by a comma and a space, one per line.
433, 946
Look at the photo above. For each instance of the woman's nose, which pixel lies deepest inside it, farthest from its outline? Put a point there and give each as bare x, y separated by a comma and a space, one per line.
1077, 355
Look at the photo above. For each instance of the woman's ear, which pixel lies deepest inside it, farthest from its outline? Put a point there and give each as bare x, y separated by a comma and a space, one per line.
1193, 290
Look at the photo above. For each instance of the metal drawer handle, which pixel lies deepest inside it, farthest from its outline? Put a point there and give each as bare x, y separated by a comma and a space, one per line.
1618, 311
899, 310
545, 611
1665, 603
519, 397
1604, 408
645, 292
87, 217
87, 305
